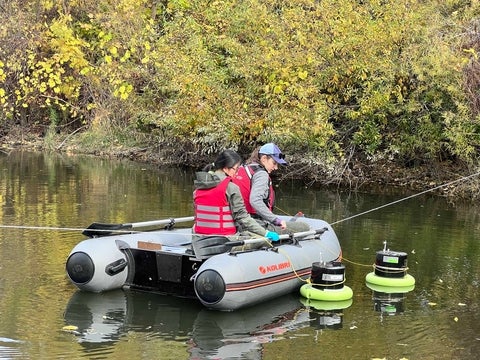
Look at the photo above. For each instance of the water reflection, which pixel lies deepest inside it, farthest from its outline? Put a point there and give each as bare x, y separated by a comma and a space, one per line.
98, 321
10, 348
56, 190
325, 315
389, 300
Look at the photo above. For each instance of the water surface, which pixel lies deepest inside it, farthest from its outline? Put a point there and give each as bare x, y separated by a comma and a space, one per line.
46, 199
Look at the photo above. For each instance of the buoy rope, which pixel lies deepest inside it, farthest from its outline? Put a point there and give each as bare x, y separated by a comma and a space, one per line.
53, 228
389, 269
408, 197
284, 253
309, 281
385, 205
333, 223
354, 262
291, 265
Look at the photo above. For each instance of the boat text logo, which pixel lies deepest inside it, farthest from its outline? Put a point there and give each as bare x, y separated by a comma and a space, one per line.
274, 267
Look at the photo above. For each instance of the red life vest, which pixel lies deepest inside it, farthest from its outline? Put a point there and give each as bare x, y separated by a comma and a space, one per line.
212, 210
244, 181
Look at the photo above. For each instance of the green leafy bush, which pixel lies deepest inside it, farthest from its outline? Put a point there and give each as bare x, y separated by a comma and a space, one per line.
338, 80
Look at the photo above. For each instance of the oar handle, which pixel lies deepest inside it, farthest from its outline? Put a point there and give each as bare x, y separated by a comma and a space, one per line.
244, 242
303, 233
99, 229
159, 222
283, 236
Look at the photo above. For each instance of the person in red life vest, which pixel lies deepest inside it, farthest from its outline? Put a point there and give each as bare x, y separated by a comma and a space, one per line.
255, 183
218, 203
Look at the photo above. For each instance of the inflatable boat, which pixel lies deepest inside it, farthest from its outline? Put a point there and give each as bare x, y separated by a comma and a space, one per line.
222, 273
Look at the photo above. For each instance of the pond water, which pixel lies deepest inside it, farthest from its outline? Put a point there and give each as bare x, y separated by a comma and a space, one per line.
47, 199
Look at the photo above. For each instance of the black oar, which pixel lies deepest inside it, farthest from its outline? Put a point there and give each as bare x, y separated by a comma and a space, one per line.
100, 229
212, 245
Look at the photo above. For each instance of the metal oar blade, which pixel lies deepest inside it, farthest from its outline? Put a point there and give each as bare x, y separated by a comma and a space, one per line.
99, 229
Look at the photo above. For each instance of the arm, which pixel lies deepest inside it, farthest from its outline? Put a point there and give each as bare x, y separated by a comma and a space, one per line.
242, 218
259, 192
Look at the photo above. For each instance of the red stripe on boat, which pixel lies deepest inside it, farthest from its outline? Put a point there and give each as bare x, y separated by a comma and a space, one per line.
267, 281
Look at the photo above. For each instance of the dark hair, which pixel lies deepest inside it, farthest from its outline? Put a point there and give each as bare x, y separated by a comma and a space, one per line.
254, 157
226, 159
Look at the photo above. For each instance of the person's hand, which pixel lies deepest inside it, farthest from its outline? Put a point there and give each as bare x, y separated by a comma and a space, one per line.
273, 236
281, 223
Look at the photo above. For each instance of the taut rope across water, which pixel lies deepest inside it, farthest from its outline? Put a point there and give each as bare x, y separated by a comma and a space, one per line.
333, 223
406, 198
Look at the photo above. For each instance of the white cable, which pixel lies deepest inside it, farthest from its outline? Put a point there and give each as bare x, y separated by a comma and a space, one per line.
406, 198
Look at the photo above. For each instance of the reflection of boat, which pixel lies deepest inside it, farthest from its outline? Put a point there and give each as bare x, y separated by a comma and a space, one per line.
163, 261
99, 326
103, 318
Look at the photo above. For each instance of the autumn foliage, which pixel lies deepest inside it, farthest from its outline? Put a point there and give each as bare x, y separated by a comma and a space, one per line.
337, 81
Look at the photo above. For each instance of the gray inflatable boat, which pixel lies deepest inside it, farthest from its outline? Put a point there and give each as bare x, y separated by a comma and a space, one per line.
222, 273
